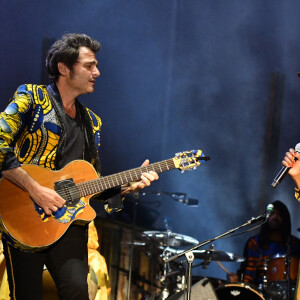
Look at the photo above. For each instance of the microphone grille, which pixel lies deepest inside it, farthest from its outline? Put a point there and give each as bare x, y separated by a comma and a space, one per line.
297, 147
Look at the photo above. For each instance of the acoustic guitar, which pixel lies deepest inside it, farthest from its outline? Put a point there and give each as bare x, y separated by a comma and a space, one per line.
26, 226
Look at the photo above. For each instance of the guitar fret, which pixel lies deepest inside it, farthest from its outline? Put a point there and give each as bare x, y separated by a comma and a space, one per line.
121, 180
89, 191
117, 179
130, 176
104, 183
167, 165
160, 167
95, 186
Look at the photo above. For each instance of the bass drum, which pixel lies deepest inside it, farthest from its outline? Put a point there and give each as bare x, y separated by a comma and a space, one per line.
240, 291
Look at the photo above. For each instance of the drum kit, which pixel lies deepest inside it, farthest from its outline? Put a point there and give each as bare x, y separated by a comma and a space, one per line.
172, 275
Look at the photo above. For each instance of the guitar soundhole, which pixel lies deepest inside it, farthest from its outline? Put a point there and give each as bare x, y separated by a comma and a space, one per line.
67, 189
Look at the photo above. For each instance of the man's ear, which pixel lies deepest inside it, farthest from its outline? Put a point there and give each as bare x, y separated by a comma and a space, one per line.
63, 69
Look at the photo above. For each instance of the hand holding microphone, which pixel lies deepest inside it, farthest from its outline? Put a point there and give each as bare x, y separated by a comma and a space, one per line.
289, 166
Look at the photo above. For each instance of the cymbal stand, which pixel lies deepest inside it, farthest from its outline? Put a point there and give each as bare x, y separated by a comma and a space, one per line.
166, 273
136, 202
165, 291
190, 256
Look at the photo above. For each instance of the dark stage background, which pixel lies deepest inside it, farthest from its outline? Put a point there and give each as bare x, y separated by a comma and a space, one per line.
176, 75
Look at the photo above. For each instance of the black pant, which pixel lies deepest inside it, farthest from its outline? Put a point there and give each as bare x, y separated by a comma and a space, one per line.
66, 260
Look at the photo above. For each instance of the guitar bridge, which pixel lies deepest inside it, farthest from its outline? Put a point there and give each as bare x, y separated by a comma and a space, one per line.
67, 190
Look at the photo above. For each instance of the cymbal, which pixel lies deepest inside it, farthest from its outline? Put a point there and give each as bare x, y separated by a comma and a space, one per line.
209, 255
217, 255
169, 239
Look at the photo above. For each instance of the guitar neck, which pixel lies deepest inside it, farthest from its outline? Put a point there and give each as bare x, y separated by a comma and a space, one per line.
107, 182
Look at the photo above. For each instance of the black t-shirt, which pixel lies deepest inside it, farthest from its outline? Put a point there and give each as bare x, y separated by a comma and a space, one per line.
74, 143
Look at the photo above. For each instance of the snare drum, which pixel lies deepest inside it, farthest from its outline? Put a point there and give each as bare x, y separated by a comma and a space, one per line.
277, 268
239, 291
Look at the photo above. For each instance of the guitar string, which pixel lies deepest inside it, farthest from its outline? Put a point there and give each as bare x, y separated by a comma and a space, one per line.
92, 186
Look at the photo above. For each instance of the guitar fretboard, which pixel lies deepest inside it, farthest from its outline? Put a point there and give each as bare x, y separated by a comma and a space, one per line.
107, 182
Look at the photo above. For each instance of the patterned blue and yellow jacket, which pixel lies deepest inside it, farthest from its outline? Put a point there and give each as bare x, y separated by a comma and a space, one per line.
32, 130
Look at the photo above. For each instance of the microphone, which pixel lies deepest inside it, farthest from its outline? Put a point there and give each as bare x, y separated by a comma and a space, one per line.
265, 216
269, 211
182, 198
284, 170
191, 202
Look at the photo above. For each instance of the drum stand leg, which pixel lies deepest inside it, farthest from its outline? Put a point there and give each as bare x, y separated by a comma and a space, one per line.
190, 258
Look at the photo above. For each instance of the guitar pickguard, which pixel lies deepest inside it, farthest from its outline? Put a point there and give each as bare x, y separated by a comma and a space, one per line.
74, 205
64, 214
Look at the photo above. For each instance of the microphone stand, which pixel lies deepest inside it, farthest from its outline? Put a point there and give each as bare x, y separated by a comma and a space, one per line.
288, 252
190, 256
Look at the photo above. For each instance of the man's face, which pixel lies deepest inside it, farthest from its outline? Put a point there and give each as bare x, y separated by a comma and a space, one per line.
83, 76
275, 221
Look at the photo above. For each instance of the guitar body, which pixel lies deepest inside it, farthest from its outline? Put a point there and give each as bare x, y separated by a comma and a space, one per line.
27, 228
24, 224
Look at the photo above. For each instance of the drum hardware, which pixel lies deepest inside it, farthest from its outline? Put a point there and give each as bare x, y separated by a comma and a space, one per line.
212, 255
281, 276
135, 243
190, 256
168, 273
168, 238
264, 284
238, 292
207, 259
164, 239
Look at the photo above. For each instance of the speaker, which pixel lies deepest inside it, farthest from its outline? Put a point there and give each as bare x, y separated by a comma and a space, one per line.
202, 290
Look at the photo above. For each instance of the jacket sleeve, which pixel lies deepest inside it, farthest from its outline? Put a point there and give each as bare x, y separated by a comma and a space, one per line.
12, 122
111, 197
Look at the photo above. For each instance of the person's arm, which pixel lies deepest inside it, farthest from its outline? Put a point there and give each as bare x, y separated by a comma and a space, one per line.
232, 278
294, 165
12, 122
46, 198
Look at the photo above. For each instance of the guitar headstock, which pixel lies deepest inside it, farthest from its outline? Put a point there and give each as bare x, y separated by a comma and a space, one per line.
189, 160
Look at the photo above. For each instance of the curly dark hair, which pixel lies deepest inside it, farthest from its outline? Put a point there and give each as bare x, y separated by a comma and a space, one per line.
66, 50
